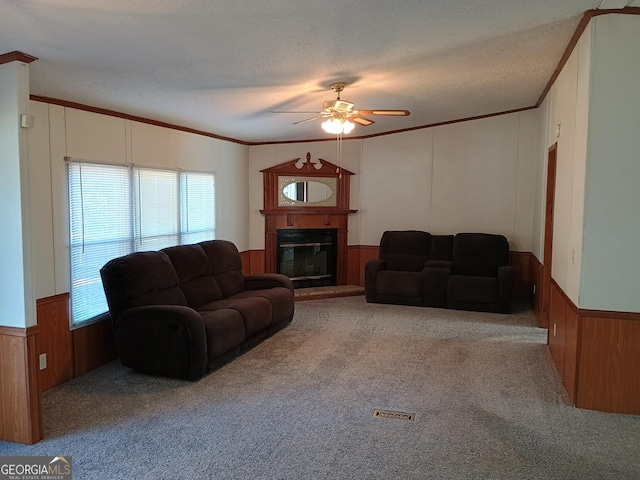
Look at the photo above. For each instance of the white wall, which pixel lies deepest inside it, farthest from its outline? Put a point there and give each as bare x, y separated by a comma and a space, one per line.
563, 119
611, 259
396, 184
595, 100
468, 176
61, 132
17, 302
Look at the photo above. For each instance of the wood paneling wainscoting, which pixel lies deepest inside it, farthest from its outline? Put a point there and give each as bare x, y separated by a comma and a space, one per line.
252, 262
68, 355
55, 340
93, 346
20, 412
597, 355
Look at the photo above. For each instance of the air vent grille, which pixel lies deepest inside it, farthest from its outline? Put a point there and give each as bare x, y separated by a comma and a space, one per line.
394, 415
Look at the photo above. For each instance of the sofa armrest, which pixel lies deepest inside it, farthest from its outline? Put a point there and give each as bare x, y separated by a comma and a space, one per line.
267, 280
162, 339
505, 280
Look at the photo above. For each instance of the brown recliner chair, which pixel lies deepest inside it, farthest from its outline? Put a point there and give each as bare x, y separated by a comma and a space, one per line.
398, 275
481, 276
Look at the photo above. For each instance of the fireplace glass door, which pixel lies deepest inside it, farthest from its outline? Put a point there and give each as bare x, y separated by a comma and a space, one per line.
307, 256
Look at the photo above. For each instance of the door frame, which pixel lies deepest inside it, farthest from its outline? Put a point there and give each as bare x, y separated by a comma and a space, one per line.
545, 297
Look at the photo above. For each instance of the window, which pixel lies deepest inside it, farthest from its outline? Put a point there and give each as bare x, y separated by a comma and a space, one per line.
115, 210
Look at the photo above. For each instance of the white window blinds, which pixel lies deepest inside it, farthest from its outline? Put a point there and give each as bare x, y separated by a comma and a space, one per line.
99, 230
156, 212
115, 210
197, 206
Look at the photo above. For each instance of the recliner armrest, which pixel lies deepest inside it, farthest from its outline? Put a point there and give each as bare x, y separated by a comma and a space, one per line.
505, 281
162, 339
439, 264
267, 280
371, 269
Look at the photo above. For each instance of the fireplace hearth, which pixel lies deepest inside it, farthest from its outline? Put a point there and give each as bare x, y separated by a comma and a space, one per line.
308, 256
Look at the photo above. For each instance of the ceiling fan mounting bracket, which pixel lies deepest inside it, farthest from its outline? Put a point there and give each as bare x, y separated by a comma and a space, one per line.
338, 87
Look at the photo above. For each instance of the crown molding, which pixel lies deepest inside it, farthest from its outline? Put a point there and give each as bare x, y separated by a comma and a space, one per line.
16, 57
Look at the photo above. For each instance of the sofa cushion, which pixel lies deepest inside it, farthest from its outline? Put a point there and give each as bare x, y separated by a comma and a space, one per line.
399, 283
224, 330
479, 254
256, 312
441, 247
192, 267
138, 279
405, 250
472, 289
280, 299
226, 266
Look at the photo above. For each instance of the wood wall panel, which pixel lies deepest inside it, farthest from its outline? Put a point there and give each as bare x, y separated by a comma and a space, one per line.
245, 258
521, 278
366, 253
256, 257
572, 326
353, 265
535, 278
557, 328
608, 378
20, 410
93, 346
55, 340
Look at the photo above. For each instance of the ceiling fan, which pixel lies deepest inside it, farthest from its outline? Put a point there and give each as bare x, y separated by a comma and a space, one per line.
340, 115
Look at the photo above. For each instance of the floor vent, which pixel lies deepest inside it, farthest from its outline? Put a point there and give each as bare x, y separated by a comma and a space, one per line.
394, 415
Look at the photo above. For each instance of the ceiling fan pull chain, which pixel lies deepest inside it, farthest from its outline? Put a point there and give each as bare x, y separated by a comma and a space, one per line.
339, 169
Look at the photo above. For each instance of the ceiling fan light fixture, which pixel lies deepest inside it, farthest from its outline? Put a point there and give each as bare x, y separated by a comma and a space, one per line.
337, 126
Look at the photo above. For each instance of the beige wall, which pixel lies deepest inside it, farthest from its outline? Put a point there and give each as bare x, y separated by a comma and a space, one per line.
60, 132
596, 223
610, 259
17, 305
563, 121
469, 176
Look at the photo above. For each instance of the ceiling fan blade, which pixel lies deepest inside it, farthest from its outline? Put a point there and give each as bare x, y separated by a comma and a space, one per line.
308, 119
365, 122
395, 113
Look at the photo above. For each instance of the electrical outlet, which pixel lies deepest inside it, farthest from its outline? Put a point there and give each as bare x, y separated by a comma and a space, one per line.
43, 361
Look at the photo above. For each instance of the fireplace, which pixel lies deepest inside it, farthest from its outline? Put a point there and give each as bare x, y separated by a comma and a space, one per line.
321, 258
308, 256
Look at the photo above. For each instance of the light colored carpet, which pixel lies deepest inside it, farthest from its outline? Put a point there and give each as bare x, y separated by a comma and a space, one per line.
487, 402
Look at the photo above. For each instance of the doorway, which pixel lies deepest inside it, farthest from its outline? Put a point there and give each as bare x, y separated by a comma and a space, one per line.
543, 312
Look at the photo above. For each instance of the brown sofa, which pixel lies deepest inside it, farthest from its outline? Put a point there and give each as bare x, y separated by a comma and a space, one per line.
185, 310
468, 271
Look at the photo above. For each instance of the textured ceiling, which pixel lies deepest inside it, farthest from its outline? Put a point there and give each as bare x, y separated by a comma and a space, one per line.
221, 66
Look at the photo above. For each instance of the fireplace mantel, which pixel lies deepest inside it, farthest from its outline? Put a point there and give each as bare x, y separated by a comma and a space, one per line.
281, 212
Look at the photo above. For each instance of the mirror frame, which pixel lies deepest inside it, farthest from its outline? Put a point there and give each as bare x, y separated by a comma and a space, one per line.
285, 180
